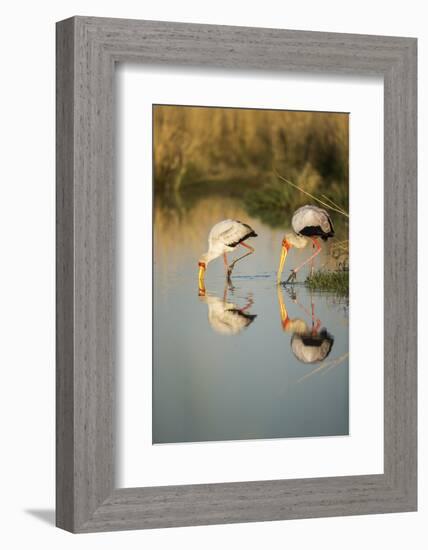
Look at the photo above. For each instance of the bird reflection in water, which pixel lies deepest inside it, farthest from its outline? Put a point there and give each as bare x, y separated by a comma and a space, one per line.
308, 344
225, 317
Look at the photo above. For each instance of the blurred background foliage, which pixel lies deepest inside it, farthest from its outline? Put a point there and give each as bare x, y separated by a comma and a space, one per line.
234, 152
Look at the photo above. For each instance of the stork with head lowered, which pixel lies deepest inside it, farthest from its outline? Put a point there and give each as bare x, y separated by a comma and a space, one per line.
225, 237
308, 223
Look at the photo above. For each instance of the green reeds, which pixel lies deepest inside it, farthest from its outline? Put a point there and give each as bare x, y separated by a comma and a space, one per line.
330, 281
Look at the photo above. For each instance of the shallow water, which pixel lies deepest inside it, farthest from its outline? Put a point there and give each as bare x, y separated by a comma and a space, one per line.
245, 360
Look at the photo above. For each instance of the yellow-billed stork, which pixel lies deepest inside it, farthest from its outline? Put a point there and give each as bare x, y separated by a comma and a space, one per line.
224, 316
308, 344
224, 237
308, 222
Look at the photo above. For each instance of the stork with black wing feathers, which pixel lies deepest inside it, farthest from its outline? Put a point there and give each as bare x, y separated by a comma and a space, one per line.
225, 237
308, 222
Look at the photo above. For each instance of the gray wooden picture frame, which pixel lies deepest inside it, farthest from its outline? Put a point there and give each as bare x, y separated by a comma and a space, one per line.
87, 51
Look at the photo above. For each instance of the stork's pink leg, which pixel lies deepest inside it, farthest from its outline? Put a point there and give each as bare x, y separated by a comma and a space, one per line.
312, 266
247, 246
232, 265
317, 251
226, 265
316, 323
250, 302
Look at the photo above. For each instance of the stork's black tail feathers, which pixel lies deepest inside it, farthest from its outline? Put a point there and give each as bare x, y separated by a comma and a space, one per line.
317, 231
326, 236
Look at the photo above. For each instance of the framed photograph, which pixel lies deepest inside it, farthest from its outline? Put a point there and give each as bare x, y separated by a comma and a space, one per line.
236, 274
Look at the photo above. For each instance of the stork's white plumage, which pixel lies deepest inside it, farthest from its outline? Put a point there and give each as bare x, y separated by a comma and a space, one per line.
224, 317
308, 222
311, 348
224, 237
309, 344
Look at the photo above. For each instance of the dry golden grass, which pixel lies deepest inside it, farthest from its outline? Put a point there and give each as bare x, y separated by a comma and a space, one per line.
199, 144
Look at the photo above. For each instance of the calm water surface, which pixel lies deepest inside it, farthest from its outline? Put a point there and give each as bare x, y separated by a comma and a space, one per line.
245, 360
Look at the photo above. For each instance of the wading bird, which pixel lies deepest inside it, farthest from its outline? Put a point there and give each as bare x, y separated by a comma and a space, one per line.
226, 317
308, 344
308, 222
224, 237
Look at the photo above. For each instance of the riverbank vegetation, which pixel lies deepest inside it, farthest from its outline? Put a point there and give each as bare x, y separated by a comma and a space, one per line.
330, 281
269, 162
198, 147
